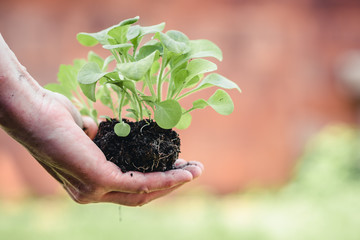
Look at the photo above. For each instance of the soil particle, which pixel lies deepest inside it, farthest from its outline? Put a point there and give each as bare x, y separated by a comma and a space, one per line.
148, 148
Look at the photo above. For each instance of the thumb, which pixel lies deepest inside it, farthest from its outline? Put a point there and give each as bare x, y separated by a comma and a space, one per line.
89, 126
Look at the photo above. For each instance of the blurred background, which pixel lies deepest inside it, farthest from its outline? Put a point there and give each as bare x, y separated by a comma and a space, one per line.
284, 165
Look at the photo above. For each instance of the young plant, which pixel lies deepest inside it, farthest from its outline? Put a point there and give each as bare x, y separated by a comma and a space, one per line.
148, 79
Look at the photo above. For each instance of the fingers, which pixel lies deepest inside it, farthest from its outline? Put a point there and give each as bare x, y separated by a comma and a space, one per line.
135, 199
194, 167
137, 182
89, 126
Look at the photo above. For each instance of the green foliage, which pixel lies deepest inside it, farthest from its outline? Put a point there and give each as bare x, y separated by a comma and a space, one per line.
137, 81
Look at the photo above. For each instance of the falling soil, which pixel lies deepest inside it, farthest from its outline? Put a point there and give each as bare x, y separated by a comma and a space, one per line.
148, 148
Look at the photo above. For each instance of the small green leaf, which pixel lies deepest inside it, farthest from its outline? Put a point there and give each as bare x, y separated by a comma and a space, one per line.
146, 50
204, 48
59, 89
200, 104
105, 96
179, 78
217, 80
67, 76
175, 41
131, 115
89, 90
122, 129
119, 33
90, 73
106, 117
152, 29
154, 68
136, 70
185, 121
221, 102
192, 82
133, 32
129, 21
167, 113
91, 39
94, 114
199, 66
93, 57
84, 111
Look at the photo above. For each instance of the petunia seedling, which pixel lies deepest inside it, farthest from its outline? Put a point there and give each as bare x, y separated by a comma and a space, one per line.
148, 79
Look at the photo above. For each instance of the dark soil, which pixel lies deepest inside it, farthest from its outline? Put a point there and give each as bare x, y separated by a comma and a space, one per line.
148, 148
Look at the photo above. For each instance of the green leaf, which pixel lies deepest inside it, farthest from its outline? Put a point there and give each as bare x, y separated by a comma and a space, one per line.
175, 41
91, 39
167, 113
93, 57
94, 115
152, 29
200, 104
220, 101
199, 66
192, 82
129, 21
119, 33
122, 129
146, 50
58, 89
154, 68
136, 70
185, 121
132, 113
133, 32
67, 76
90, 73
106, 117
204, 48
84, 111
105, 96
217, 80
89, 90
179, 78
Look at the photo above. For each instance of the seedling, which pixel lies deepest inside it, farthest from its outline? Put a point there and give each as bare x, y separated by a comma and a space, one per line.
149, 79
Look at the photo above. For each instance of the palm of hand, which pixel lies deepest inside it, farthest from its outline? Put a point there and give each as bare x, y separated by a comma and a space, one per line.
69, 155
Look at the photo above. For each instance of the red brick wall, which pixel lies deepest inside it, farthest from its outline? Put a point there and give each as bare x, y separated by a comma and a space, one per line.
281, 53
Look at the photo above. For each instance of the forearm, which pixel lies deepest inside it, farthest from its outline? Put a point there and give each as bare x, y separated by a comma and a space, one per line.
19, 94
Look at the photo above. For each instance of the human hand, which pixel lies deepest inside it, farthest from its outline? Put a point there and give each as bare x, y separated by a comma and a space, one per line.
69, 155
50, 127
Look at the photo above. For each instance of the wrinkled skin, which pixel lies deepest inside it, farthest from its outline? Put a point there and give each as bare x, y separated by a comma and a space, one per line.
52, 130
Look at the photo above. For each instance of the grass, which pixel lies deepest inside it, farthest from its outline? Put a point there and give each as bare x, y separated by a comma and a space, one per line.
253, 216
321, 202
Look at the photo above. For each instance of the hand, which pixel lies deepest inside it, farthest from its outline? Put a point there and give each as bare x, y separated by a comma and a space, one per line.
50, 127
69, 155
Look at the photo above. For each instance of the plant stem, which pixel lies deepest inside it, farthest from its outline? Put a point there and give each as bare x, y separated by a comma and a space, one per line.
147, 79
160, 79
139, 105
121, 104
115, 56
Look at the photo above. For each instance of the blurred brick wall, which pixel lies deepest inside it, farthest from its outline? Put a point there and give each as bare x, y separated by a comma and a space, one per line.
281, 53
